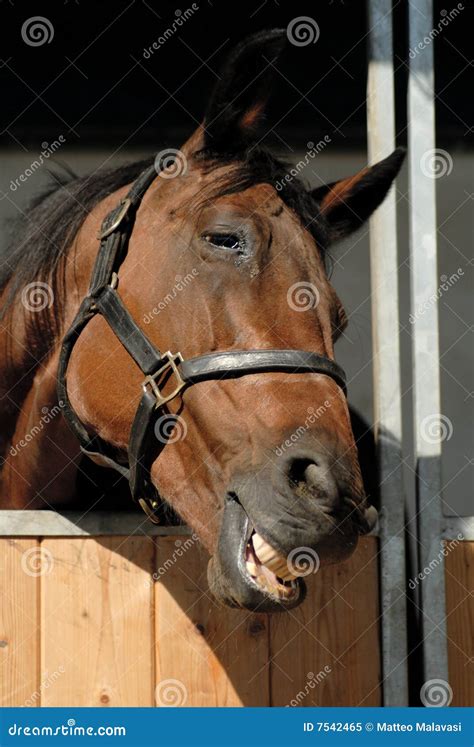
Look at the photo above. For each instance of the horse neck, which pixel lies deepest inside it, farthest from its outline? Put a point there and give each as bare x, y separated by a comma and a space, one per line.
32, 426
35, 441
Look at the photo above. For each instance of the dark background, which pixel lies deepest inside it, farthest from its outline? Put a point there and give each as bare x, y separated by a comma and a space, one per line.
93, 85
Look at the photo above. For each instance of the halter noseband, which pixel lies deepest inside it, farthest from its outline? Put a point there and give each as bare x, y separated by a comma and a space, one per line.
157, 367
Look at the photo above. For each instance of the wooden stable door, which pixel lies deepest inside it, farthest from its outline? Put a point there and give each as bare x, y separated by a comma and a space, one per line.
129, 621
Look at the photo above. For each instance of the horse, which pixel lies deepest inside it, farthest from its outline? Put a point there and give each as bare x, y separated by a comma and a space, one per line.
244, 430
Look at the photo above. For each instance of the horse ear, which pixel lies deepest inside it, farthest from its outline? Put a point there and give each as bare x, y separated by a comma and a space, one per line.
237, 104
348, 203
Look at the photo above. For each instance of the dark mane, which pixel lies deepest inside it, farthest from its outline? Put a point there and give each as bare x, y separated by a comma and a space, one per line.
43, 236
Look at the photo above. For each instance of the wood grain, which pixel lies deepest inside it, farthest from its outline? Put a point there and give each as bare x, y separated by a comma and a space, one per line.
20, 566
206, 654
99, 619
96, 622
326, 652
460, 622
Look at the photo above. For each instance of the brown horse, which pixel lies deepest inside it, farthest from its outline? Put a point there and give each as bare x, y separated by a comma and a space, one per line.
262, 466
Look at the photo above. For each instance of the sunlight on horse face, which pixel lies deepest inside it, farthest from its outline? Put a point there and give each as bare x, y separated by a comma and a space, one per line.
255, 280
280, 445
263, 467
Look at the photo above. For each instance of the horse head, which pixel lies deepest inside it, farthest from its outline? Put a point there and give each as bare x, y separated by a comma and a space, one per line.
230, 253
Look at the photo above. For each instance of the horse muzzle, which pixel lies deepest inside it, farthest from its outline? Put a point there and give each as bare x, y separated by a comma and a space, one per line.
263, 570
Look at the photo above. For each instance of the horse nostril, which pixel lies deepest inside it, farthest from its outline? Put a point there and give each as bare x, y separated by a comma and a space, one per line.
313, 478
297, 470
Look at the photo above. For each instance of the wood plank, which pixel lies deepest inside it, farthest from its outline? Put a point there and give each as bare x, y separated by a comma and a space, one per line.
20, 566
460, 622
96, 620
206, 654
335, 629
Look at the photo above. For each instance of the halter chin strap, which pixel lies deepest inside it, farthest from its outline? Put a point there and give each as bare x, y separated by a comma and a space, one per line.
163, 372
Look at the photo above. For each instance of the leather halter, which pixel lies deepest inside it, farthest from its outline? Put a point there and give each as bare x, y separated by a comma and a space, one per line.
102, 298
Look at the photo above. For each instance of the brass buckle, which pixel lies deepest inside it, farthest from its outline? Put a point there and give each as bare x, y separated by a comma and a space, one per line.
126, 202
149, 509
172, 362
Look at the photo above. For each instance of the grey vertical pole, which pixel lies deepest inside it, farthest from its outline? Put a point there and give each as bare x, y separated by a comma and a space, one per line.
424, 287
387, 386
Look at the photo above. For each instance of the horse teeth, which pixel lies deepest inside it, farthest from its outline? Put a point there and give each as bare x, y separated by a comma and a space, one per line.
269, 580
252, 568
280, 568
286, 591
286, 575
263, 550
272, 559
266, 583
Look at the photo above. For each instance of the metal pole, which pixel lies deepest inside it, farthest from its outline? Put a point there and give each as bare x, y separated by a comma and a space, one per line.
387, 385
424, 287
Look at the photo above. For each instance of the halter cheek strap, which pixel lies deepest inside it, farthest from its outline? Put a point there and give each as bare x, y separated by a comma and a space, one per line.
158, 368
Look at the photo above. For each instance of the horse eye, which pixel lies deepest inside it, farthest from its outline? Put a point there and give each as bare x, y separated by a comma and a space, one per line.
223, 240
